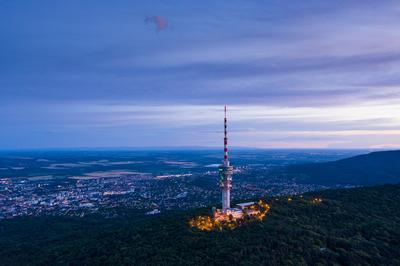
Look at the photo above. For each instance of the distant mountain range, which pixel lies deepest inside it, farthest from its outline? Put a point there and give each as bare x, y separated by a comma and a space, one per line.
369, 169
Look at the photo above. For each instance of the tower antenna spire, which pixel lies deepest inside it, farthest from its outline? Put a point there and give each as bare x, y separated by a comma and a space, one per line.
226, 160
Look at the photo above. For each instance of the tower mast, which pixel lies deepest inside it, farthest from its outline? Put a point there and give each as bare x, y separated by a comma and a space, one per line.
226, 161
226, 171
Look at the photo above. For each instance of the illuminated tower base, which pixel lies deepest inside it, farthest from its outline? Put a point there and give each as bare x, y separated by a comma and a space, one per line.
226, 199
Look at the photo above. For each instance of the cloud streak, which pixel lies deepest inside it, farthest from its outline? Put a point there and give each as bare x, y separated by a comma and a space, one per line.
263, 126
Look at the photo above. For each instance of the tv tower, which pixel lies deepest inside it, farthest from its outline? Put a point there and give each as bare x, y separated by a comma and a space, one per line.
225, 172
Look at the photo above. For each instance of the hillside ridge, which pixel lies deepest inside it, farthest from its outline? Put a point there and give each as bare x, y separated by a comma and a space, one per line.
368, 169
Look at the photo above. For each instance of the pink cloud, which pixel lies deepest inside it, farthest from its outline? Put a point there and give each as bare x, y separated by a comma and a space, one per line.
160, 22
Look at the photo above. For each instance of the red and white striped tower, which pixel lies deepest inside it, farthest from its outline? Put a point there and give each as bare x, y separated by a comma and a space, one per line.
226, 161
225, 172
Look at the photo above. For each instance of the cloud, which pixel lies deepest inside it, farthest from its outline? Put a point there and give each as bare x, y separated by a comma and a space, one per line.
111, 124
247, 53
327, 69
160, 22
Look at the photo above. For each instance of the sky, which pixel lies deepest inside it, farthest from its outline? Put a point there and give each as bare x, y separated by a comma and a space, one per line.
294, 74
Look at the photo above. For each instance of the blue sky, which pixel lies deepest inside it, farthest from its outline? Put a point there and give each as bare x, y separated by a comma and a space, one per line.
294, 74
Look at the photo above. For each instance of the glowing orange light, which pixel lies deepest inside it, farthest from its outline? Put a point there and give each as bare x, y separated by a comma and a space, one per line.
222, 221
316, 200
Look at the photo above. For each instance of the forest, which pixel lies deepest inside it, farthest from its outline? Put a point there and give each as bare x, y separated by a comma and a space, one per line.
368, 169
358, 226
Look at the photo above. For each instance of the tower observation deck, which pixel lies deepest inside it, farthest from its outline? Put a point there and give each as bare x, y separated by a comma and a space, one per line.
225, 173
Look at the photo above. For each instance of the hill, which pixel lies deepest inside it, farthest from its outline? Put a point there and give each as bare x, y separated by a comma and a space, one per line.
349, 227
369, 169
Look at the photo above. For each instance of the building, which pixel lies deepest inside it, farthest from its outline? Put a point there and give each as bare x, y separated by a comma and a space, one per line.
249, 208
225, 173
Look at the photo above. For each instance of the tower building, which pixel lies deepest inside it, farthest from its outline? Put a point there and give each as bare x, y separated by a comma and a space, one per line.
225, 173
227, 213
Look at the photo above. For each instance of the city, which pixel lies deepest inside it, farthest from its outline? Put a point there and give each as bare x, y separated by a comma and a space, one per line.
77, 197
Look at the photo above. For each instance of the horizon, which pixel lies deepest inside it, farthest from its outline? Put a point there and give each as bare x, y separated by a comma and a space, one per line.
184, 148
304, 75
189, 148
